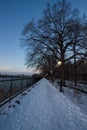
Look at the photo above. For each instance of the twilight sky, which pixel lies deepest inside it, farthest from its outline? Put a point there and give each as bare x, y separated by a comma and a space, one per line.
14, 14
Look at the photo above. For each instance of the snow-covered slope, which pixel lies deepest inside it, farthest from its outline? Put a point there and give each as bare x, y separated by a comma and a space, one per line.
42, 108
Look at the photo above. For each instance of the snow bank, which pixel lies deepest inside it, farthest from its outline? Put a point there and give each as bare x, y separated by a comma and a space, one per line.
42, 108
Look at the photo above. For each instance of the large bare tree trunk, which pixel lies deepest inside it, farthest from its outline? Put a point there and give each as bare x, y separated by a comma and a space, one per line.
62, 74
75, 68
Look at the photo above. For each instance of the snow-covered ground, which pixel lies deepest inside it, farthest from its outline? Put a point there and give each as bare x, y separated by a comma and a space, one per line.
77, 97
42, 107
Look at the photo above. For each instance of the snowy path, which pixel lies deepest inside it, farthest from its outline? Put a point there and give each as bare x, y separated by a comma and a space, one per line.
43, 108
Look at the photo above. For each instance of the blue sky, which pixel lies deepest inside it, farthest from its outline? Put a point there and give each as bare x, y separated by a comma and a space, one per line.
14, 14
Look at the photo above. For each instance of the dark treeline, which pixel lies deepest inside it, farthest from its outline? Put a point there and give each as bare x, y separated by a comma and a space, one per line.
81, 73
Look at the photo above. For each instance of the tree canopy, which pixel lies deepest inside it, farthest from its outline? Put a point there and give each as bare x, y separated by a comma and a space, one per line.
60, 34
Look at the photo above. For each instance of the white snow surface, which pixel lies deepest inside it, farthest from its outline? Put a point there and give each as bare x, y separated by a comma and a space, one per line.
42, 108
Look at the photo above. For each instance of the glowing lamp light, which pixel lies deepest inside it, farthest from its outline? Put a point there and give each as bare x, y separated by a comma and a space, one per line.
59, 63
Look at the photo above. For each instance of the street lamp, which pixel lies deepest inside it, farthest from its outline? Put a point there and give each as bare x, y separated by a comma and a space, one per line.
59, 65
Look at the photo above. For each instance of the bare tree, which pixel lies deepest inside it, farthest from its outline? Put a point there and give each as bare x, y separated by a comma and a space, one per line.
57, 33
79, 47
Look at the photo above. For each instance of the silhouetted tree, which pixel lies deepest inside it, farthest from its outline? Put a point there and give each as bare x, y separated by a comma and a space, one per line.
58, 32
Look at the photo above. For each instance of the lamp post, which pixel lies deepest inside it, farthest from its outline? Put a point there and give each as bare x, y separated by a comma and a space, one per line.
60, 65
